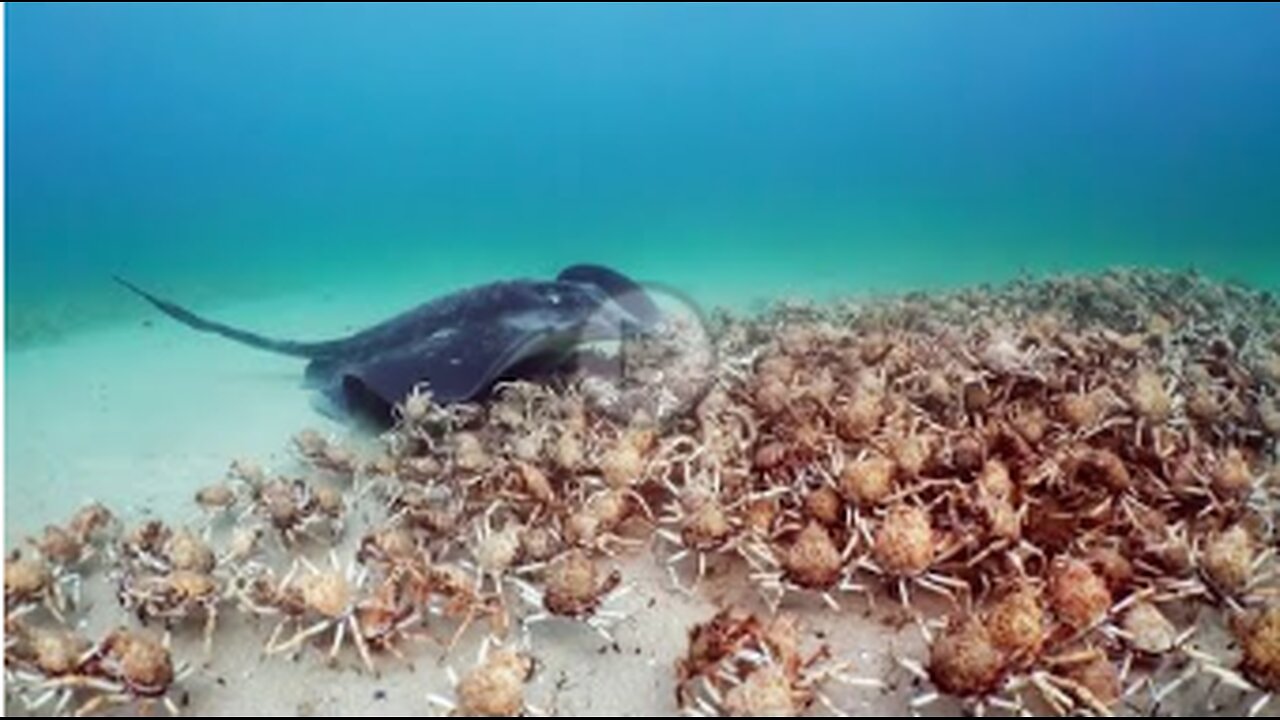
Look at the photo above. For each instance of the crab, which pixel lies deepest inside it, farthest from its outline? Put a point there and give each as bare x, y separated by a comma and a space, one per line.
1232, 478
64, 552
247, 472
387, 547
906, 548
35, 655
416, 408
324, 454
126, 667
216, 500
988, 658
1078, 596
573, 588
387, 616
868, 480
144, 546
740, 666
94, 524
259, 593
243, 545
1257, 674
964, 660
61, 547
183, 550
597, 523
469, 454
499, 553
1151, 396
1018, 624
30, 582
722, 637
316, 600
429, 509
811, 561
1260, 644
860, 417
538, 544
293, 507
696, 523
329, 507
450, 591
284, 505
1229, 560
177, 595
1090, 413
1082, 682
1148, 630
494, 687
622, 464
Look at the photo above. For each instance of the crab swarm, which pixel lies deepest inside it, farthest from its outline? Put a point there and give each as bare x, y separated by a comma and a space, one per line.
1081, 472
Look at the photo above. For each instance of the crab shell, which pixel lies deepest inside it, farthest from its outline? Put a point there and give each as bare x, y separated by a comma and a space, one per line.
905, 544
574, 587
141, 662
496, 687
964, 659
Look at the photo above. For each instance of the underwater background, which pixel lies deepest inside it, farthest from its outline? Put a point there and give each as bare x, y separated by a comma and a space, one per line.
225, 151
306, 170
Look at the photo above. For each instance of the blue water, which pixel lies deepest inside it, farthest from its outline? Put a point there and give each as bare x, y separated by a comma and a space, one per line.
219, 151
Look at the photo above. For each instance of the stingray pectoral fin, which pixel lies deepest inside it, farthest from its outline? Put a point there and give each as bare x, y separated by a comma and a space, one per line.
620, 288
393, 377
460, 369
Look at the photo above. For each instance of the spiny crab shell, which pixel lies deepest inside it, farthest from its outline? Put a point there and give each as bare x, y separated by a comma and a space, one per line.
495, 688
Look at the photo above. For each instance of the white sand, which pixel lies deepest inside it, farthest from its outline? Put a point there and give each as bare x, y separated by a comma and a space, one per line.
139, 417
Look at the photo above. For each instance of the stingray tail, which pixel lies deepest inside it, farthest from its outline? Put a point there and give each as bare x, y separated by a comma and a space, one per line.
190, 319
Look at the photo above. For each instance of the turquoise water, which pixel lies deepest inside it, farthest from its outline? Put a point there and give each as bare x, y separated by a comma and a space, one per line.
739, 152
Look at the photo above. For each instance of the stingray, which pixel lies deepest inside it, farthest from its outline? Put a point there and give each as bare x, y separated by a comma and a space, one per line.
460, 345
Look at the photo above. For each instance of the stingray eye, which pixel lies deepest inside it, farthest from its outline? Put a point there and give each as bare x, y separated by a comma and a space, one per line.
554, 298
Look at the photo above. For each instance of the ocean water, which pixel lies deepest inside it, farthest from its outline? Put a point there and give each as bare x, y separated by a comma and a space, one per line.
223, 152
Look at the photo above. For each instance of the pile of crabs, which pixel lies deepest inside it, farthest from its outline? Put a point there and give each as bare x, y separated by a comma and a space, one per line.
1061, 483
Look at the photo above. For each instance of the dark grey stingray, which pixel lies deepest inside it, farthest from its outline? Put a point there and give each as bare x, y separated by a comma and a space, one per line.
459, 344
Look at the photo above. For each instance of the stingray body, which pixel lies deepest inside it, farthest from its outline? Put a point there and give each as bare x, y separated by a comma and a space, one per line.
459, 344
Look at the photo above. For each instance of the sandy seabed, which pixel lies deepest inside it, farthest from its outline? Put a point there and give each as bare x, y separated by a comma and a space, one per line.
140, 417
